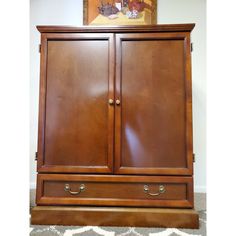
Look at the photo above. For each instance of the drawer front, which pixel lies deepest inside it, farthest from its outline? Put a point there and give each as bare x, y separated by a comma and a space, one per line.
114, 190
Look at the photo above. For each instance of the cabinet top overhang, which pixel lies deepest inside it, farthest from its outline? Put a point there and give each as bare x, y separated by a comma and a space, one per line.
115, 29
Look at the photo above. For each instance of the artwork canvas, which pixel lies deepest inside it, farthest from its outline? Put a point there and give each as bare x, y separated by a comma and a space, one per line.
120, 12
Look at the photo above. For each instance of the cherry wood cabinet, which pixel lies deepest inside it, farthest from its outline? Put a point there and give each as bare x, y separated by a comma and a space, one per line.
115, 117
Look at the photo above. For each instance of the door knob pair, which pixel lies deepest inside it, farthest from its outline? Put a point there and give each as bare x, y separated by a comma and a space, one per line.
111, 101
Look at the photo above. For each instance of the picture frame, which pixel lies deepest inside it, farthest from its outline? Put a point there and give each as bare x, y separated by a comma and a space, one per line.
119, 12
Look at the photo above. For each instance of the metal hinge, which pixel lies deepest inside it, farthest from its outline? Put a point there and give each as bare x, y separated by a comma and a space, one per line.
39, 48
191, 47
194, 157
36, 156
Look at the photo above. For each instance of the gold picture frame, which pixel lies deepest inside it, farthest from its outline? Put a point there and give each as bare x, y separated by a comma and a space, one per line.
147, 13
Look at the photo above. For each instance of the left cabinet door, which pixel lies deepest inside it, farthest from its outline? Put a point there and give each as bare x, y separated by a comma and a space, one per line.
75, 117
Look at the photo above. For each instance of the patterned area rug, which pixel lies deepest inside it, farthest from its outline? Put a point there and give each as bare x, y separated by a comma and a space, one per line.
36, 230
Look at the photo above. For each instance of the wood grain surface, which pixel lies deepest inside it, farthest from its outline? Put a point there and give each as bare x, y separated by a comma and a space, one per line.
115, 216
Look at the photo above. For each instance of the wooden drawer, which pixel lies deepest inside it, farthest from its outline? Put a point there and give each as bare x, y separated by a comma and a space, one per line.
104, 190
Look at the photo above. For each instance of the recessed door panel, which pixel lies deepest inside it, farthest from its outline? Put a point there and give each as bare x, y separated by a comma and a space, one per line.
78, 121
152, 116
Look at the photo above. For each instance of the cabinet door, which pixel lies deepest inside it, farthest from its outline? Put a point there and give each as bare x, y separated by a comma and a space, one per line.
153, 120
75, 119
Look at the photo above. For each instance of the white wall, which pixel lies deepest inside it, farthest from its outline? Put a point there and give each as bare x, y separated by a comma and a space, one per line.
69, 12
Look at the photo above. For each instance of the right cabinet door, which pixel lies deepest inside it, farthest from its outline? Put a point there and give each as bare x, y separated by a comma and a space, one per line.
153, 115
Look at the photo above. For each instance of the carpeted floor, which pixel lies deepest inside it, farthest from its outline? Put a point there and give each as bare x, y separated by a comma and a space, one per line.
200, 206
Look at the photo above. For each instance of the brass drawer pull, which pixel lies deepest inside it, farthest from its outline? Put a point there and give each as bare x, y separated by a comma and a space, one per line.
161, 190
67, 189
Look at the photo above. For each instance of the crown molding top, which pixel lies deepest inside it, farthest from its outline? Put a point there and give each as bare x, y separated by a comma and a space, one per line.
116, 29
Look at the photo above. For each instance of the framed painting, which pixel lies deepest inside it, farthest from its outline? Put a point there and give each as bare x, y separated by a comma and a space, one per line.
120, 12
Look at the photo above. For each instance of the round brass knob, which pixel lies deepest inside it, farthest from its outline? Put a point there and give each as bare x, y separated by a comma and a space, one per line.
111, 101
117, 102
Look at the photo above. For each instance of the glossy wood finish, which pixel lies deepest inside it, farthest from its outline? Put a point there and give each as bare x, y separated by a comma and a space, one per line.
115, 149
116, 29
153, 121
115, 216
70, 138
103, 190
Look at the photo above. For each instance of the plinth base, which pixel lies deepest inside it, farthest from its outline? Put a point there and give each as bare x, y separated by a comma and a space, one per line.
115, 216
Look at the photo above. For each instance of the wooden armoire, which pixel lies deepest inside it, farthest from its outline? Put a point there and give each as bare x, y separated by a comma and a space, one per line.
115, 127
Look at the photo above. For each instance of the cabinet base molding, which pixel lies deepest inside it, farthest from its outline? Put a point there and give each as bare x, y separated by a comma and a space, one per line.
115, 216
